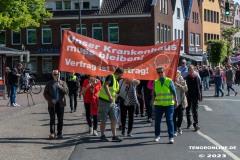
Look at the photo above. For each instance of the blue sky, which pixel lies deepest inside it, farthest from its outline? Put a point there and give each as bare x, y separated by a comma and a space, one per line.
237, 1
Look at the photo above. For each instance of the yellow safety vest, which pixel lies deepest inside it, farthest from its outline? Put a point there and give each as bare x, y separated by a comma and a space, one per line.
113, 90
74, 78
164, 97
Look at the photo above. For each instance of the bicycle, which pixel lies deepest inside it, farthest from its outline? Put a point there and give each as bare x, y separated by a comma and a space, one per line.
28, 84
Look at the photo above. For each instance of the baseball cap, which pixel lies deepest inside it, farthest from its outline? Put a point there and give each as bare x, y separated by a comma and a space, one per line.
184, 61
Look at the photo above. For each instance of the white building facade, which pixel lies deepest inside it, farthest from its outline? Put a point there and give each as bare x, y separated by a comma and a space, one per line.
236, 41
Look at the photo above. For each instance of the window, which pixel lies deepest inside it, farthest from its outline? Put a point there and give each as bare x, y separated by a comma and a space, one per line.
16, 38
197, 39
208, 16
58, 5
205, 15
47, 64
169, 33
179, 36
31, 36
192, 39
205, 37
166, 7
175, 34
86, 5
182, 38
158, 33
33, 64
46, 35
97, 31
1, 69
217, 17
160, 5
76, 5
113, 33
178, 13
166, 34
84, 29
2, 38
162, 33
64, 27
67, 5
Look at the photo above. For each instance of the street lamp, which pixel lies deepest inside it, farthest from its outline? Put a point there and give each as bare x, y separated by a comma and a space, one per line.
80, 16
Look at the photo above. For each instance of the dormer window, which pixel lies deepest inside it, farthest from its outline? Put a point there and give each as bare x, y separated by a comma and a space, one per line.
58, 5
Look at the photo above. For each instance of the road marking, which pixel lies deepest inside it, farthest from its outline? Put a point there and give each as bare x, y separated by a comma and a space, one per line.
207, 108
232, 155
221, 100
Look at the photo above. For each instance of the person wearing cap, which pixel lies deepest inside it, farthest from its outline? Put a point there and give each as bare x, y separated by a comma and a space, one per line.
15, 77
183, 68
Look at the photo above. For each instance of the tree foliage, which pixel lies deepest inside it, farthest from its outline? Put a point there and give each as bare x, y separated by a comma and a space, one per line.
228, 35
16, 14
218, 51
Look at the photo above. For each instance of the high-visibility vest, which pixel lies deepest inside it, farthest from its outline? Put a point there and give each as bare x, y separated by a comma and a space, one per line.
74, 78
113, 90
164, 97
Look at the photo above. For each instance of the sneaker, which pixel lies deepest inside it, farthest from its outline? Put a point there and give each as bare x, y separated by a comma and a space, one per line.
236, 93
142, 115
59, 136
222, 95
103, 138
51, 136
175, 134
95, 133
130, 135
116, 139
71, 111
227, 94
180, 131
13, 105
196, 128
90, 130
17, 105
149, 120
189, 127
157, 138
171, 140
123, 133
136, 115
74, 110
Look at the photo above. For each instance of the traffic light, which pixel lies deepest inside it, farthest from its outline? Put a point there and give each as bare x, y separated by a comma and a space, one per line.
227, 11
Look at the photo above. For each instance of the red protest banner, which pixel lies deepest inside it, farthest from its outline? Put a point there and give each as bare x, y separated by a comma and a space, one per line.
89, 56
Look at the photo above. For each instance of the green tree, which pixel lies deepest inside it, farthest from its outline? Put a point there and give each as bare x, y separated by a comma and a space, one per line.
217, 51
228, 35
16, 14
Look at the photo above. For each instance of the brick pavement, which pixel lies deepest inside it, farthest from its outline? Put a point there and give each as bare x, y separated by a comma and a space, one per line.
24, 131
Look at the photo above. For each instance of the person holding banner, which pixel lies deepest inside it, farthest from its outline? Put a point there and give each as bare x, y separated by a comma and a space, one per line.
54, 93
107, 106
164, 100
90, 90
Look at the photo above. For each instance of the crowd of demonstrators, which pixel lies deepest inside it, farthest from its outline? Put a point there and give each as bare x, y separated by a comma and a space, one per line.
54, 93
73, 85
90, 89
128, 102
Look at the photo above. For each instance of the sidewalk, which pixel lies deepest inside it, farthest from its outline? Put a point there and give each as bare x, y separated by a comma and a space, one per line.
24, 134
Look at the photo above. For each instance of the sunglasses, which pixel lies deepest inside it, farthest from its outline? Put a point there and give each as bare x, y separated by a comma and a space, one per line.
160, 72
55, 74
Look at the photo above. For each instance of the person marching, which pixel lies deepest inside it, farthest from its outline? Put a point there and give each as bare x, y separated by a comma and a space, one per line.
181, 89
54, 93
107, 106
164, 99
73, 84
90, 90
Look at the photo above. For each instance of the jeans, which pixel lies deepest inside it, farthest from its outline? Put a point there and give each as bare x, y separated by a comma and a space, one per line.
178, 117
192, 105
89, 117
60, 113
124, 111
229, 86
159, 111
206, 83
219, 89
13, 94
73, 95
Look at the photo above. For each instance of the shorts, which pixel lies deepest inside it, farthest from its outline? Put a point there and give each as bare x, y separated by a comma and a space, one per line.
106, 109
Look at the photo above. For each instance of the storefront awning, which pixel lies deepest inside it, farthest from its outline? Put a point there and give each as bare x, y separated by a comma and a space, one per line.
12, 52
193, 58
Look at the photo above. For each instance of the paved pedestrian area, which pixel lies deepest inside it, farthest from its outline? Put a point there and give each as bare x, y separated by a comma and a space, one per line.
24, 131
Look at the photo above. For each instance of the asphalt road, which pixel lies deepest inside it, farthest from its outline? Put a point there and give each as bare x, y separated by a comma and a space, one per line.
219, 121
